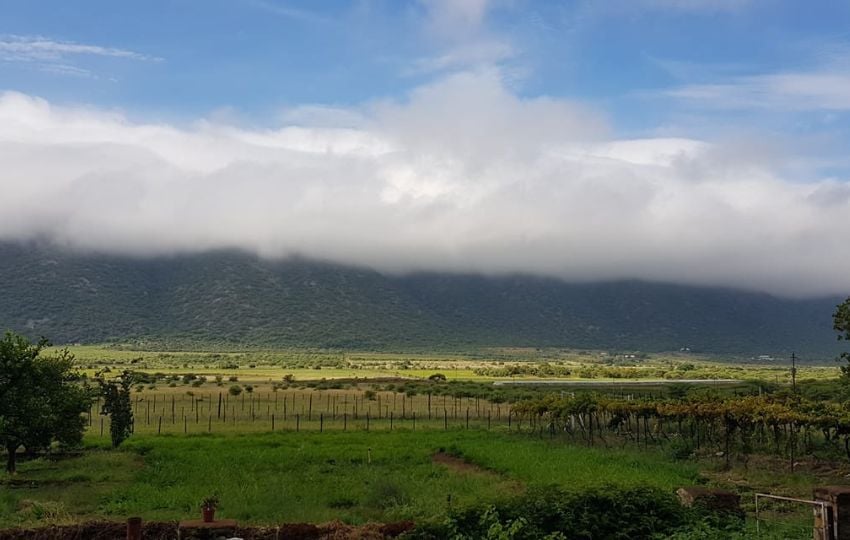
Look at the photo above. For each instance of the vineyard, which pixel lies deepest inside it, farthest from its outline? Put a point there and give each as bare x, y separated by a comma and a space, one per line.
779, 425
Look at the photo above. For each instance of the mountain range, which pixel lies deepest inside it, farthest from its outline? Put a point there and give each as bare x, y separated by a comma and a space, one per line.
234, 299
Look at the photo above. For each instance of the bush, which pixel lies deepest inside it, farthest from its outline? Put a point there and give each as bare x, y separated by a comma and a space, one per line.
234, 390
550, 512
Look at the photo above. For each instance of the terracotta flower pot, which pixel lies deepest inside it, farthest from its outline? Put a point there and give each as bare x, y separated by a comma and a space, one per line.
209, 515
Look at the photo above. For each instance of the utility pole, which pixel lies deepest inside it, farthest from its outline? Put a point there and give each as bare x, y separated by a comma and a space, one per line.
794, 372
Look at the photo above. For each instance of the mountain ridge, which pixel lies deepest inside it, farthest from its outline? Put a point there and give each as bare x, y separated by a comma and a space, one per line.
231, 298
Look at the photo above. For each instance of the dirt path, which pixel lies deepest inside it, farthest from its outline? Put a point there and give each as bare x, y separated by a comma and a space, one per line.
460, 465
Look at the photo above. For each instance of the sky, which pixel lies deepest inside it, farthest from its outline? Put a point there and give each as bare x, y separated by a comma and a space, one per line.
689, 141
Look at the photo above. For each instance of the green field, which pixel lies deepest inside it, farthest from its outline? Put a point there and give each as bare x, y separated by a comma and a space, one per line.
484, 365
286, 477
317, 436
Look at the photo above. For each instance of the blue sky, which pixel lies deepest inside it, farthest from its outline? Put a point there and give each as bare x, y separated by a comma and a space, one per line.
695, 141
257, 56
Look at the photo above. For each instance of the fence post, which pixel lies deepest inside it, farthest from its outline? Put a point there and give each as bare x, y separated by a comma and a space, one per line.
273, 418
159, 426
134, 528
321, 421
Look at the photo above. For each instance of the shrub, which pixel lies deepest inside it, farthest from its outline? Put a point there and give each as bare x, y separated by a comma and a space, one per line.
234, 390
550, 512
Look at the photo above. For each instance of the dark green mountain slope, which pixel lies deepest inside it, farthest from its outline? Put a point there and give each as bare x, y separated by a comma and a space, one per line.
230, 298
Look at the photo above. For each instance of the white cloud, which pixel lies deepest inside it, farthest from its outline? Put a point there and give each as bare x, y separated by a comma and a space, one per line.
60, 57
460, 38
37, 48
468, 56
788, 91
462, 176
456, 18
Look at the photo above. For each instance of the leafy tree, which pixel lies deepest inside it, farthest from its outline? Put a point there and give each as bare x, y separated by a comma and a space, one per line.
117, 404
841, 324
41, 401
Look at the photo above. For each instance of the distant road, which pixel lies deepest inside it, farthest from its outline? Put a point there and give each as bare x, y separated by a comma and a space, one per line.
615, 382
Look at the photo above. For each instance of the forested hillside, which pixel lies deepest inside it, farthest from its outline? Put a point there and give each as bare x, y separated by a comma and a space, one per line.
235, 299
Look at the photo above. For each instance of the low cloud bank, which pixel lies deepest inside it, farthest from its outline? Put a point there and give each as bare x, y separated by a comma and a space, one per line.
464, 175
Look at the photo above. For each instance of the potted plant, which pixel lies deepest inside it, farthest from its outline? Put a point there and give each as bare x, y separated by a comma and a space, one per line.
208, 507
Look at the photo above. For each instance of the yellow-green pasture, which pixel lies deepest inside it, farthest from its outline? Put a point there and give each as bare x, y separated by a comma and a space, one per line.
266, 367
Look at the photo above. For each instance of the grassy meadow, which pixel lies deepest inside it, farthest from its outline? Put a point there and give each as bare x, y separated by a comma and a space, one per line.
288, 477
315, 436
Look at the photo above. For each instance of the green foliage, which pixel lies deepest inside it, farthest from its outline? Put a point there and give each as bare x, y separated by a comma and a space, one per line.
551, 512
234, 390
841, 324
40, 402
117, 404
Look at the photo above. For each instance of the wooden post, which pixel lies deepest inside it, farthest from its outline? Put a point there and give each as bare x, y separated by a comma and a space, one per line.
367, 420
219, 405
391, 421
297, 422
272, 422
134, 528
159, 427
445, 419
321, 421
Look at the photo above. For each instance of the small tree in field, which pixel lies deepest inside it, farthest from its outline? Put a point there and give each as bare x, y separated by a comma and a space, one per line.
40, 400
117, 404
841, 324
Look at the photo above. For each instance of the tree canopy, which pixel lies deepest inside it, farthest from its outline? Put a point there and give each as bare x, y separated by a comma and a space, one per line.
841, 323
41, 401
118, 405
